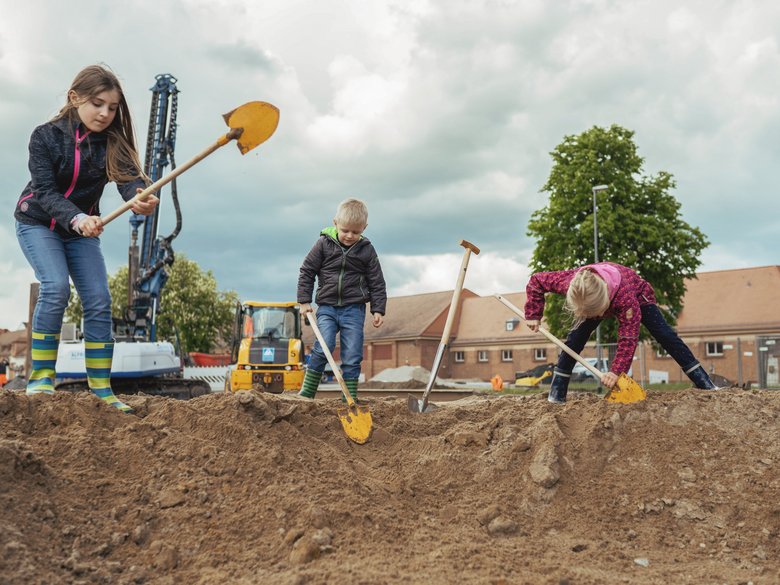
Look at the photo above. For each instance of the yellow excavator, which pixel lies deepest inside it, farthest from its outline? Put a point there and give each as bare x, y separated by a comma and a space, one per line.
533, 377
267, 352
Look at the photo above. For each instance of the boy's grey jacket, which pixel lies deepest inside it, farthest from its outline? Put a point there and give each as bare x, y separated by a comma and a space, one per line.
52, 164
344, 275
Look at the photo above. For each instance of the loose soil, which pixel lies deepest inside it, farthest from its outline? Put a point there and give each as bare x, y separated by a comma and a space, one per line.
257, 488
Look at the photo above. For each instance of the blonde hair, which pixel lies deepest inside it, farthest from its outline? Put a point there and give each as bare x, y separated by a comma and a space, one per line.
352, 213
587, 297
122, 162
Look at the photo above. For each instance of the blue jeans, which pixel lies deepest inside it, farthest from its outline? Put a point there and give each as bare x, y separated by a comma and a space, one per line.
652, 319
348, 322
54, 258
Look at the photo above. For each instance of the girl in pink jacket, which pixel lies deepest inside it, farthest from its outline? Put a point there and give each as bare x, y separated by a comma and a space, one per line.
602, 290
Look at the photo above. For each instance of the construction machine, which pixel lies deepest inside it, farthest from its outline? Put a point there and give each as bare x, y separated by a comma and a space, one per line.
142, 363
535, 376
267, 352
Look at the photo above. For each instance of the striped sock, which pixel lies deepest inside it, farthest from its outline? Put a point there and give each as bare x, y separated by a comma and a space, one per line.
44, 361
98, 356
352, 386
311, 381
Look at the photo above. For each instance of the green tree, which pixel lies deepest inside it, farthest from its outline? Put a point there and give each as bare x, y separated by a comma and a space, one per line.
639, 221
190, 304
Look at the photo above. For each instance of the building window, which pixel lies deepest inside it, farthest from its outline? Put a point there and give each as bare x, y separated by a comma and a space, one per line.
482, 356
459, 357
383, 351
540, 354
506, 355
714, 348
512, 324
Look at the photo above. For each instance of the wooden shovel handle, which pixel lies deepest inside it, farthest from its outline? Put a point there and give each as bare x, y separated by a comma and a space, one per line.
552, 338
154, 187
336, 370
445, 336
470, 246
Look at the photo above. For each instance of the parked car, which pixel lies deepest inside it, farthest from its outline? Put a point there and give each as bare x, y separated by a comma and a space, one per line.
581, 374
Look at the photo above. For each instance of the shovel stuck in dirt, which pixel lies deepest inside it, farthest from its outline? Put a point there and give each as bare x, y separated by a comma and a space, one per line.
422, 405
626, 390
250, 125
355, 419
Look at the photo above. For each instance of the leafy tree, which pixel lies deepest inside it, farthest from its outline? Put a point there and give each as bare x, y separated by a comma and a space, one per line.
190, 304
639, 221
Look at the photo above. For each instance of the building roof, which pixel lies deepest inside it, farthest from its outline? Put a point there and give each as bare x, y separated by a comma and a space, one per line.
414, 316
13, 343
484, 320
410, 317
741, 300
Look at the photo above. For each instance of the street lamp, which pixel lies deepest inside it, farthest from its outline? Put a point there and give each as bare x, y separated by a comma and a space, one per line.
596, 190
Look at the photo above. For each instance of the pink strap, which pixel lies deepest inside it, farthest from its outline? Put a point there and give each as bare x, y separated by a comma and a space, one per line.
76, 167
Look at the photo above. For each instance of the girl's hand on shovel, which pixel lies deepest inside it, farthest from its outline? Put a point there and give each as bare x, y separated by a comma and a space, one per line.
145, 206
533, 325
609, 379
91, 226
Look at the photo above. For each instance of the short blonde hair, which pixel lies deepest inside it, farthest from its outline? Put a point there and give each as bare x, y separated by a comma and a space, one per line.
352, 213
587, 297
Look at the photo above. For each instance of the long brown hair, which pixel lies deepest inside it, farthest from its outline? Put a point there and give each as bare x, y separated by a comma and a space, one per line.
122, 162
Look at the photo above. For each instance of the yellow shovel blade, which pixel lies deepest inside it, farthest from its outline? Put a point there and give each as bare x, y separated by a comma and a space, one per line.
626, 391
257, 120
357, 423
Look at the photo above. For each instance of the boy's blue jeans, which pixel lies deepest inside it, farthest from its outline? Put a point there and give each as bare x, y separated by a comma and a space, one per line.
348, 322
54, 258
653, 319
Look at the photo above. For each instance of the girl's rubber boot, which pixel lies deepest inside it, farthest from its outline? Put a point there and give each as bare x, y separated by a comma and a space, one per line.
559, 387
44, 361
352, 388
701, 379
311, 381
98, 357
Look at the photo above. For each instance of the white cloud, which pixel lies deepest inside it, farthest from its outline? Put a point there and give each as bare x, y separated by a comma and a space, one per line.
486, 274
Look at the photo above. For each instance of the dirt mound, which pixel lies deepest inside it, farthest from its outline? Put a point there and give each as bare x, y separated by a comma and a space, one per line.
252, 488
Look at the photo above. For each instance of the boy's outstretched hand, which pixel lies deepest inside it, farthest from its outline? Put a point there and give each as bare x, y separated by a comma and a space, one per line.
378, 319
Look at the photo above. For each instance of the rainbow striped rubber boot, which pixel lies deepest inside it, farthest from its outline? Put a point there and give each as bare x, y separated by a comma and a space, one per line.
44, 361
98, 357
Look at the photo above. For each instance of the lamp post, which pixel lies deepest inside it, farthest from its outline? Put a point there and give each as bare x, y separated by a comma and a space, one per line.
596, 190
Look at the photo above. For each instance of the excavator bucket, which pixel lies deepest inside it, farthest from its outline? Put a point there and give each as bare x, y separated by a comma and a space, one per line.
357, 423
255, 122
626, 391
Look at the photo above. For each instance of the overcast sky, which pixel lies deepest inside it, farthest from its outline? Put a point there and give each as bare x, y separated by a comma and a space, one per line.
440, 114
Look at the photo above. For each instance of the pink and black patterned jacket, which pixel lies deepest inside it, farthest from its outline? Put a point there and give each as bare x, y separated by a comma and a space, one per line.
632, 292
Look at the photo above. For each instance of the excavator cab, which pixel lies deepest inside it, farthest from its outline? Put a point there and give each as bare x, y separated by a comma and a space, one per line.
267, 349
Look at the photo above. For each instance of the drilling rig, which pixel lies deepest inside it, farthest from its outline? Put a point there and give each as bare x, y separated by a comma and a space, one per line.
141, 362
